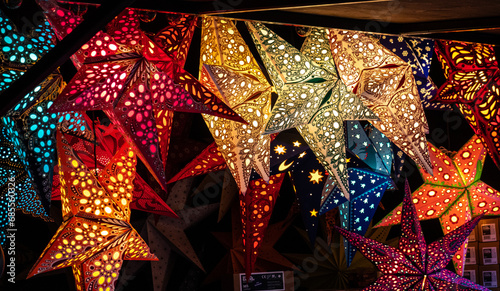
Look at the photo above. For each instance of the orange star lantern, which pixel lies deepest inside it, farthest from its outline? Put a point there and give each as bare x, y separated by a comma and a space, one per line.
96, 235
455, 193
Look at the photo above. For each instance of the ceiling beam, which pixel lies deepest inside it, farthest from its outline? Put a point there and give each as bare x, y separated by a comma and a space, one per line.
94, 21
211, 7
450, 26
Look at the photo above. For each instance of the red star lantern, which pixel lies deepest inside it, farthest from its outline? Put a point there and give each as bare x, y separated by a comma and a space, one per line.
120, 75
256, 209
455, 193
473, 81
96, 235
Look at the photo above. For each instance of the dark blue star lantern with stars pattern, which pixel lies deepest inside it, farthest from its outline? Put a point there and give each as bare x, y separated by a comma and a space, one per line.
290, 153
418, 53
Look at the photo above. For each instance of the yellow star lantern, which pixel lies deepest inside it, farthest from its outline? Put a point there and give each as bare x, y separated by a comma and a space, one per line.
311, 97
386, 85
96, 235
229, 70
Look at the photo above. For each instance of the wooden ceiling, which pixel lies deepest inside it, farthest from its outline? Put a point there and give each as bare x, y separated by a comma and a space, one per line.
467, 20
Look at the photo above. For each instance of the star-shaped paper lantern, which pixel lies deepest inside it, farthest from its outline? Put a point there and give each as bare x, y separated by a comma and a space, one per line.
256, 209
455, 193
301, 83
473, 79
369, 177
96, 235
417, 52
367, 188
386, 85
209, 160
230, 71
120, 75
108, 141
292, 155
234, 261
167, 234
311, 97
414, 265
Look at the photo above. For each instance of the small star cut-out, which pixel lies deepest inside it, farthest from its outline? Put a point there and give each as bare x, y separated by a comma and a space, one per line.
315, 176
280, 150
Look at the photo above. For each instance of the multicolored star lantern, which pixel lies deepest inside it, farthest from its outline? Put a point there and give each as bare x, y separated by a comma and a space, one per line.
455, 193
96, 235
414, 265
108, 141
386, 85
473, 84
311, 97
417, 52
228, 68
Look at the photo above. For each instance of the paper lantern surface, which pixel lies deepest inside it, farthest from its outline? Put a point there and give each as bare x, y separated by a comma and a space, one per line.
109, 141
256, 208
417, 52
414, 265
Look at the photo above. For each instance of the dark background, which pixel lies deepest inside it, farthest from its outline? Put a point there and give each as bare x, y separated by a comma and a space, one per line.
447, 129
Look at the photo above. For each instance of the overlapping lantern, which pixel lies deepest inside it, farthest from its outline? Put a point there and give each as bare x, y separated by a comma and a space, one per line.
229, 69
386, 85
414, 265
311, 97
455, 193
96, 234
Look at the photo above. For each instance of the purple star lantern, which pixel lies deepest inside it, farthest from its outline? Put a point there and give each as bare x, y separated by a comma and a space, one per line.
414, 265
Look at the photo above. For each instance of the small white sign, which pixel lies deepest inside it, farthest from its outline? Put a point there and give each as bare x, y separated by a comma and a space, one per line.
488, 232
264, 281
490, 279
490, 256
470, 256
